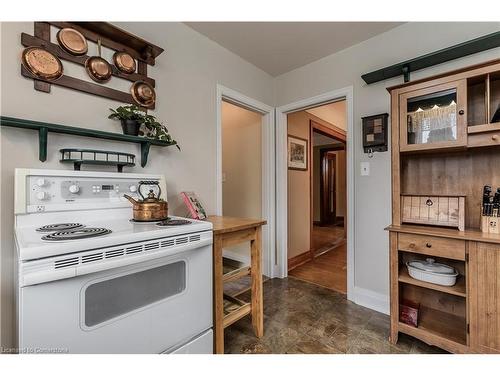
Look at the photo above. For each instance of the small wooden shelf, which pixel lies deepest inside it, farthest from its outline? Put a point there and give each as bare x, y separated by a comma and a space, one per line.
236, 274
472, 129
44, 128
459, 289
438, 328
234, 310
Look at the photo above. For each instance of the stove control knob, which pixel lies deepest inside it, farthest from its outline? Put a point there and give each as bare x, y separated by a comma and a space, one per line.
41, 182
41, 196
73, 189
132, 188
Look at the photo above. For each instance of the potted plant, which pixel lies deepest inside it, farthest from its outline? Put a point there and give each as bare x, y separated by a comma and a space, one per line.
130, 116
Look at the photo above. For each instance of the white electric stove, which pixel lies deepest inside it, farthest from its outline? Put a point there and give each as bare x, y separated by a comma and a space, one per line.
91, 280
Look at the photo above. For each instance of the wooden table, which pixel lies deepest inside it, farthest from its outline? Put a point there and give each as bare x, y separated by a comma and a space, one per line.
230, 231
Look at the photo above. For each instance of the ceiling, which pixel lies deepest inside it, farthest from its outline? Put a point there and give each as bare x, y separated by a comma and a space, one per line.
278, 47
323, 140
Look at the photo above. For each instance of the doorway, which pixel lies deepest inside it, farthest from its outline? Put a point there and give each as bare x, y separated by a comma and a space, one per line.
328, 187
283, 197
260, 157
322, 260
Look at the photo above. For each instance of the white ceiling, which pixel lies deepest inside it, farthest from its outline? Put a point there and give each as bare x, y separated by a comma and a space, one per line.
278, 47
323, 140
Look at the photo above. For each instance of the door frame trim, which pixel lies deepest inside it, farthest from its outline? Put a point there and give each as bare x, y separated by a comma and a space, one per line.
268, 167
281, 178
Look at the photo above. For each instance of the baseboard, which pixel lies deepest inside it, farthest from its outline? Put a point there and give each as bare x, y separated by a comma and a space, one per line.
372, 300
297, 260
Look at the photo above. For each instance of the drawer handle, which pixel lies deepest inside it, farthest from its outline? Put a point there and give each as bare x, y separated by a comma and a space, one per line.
411, 245
429, 202
428, 245
494, 137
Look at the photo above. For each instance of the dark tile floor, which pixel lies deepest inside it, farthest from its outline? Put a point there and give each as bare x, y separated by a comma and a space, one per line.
300, 317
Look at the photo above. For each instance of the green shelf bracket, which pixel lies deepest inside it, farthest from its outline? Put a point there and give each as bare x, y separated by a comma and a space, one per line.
44, 128
42, 143
144, 153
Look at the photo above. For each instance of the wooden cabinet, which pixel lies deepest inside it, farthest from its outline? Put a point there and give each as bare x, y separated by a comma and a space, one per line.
433, 117
484, 297
446, 142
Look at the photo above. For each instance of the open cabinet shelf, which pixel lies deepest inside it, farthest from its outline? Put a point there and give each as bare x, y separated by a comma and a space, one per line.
438, 326
459, 289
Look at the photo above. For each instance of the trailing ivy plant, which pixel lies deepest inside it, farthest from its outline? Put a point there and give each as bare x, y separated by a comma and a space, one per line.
155, 129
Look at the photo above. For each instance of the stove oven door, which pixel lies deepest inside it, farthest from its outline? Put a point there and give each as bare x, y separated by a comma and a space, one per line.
147, 307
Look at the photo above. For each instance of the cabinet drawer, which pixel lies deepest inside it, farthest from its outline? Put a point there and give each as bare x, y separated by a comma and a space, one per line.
434, 246
484, 139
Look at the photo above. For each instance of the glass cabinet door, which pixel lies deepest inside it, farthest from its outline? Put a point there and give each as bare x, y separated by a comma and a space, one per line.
433, 117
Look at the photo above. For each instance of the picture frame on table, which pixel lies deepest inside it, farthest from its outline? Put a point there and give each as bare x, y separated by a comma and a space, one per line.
298, 153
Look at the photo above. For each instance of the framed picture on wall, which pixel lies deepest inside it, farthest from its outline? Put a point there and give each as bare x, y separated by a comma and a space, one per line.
297, 153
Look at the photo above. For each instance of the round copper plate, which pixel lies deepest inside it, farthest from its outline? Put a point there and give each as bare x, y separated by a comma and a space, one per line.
72, 41
143, 93
124, 62
42, 63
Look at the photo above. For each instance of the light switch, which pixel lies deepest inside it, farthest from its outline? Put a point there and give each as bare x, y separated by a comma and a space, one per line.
365, 168
223, 177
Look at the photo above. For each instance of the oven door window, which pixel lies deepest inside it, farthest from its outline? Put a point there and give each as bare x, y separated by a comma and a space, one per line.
109, 299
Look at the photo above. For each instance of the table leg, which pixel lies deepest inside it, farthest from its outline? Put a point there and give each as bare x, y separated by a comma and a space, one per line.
218, 296
256, 274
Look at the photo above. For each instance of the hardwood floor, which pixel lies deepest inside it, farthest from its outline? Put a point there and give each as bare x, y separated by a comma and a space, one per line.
328, 270
324, 238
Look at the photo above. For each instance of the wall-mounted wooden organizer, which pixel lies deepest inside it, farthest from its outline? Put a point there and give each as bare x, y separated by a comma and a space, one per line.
444, 143
45, 128
111, 37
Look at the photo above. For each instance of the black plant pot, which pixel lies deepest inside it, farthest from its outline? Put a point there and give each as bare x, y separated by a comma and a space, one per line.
130, 127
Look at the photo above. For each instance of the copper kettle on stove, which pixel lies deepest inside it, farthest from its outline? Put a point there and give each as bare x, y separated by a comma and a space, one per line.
150, 208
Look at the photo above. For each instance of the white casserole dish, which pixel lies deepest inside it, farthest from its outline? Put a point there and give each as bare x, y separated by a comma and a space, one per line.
432, 272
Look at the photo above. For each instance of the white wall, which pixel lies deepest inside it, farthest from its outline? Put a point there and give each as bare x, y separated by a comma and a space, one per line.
186, 75
334, 113
241, 168
373, 193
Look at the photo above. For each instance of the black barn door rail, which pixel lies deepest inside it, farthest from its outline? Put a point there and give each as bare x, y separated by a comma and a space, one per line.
404, 68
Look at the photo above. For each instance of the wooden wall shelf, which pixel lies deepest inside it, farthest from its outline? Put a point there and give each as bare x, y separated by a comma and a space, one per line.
44, 128
111, 37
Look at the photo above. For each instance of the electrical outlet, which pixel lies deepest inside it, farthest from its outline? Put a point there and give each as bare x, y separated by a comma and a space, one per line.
365, 168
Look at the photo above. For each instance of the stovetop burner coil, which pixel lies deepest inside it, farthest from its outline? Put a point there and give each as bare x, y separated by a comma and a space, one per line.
59, 227
173, 222
76, 234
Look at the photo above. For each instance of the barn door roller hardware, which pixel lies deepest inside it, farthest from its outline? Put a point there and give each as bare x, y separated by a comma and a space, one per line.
404, 68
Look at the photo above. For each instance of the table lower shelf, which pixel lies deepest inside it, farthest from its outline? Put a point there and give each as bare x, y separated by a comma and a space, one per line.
234, 310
